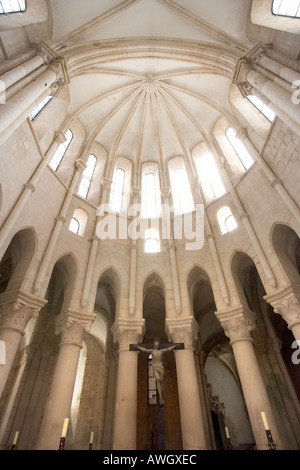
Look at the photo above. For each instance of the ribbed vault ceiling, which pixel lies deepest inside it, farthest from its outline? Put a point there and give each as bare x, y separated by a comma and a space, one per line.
150, 78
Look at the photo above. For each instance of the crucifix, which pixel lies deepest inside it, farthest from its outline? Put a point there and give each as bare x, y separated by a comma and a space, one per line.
157, 351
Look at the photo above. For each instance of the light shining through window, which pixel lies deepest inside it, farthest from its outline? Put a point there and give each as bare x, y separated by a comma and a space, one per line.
239, 149
209, 169
12, 6
39, 108
74, 226
117, 190
226, 220
286, 8
149, 196
263, 108
183, 191
87, 176
60, 152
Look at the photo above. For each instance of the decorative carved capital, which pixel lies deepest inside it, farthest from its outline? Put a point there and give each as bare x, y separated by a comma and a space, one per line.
286, 302
80, 165
106, 183
237, 323
127, 332
182, 330
17, 308
59, 137
73, 325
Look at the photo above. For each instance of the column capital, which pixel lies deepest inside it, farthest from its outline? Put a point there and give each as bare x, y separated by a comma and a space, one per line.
286, 302
17, 308
59, 137
237, 322
80, 165
72, 325
135, 192
106, 183
126, 331
182, 330
165, 192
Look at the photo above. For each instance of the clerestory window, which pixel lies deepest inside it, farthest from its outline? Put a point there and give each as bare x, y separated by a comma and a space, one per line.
262, 107
239, 148
74, 226
39, 108
87, 176
226, 220
118, 190
289, 8
60, 152
12, 6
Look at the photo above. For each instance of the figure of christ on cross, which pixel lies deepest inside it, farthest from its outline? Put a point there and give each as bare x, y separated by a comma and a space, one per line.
157, 353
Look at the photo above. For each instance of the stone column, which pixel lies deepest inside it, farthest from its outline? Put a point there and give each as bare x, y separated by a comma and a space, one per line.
17, 308
10, 77
60, 220
286, 302
238, 324
280, 97
185, 330
126, 332
72, 325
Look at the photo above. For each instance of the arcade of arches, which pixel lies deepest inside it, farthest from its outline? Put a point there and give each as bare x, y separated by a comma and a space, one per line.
189, 113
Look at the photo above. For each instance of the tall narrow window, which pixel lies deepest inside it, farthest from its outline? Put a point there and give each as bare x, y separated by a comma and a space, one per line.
226, 220
183, 191
12, 6
39, 108
60, 152
263, 108
87, 176
209, 172
149, 196
118, 190
239, 148
286, 8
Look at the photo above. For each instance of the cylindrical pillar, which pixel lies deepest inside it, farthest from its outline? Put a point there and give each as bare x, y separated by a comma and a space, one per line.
62, 387
12, 76
278, 69
237, 326
275, 93
15, 315
126, 333
185, 331
19, 103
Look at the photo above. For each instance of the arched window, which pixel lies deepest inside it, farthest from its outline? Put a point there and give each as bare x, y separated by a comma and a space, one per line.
39, 108
210, 177
263, 108
74, 226
286, 8
87, 176
60, 152
117, 190
226, 220
149, 201
239, 149
152, 244
12, 6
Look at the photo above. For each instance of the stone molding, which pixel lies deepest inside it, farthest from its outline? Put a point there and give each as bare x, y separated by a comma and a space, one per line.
73, 325
126, 332
17, 308
237, 323
286, 303
183, 330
